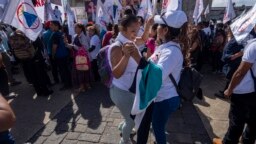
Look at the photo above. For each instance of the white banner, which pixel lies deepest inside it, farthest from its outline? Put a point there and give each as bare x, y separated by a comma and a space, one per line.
22, 15
244, 25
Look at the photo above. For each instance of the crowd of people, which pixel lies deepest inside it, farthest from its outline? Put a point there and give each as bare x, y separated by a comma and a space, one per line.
167, 41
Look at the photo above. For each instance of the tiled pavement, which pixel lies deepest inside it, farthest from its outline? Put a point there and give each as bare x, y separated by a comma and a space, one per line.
92, 118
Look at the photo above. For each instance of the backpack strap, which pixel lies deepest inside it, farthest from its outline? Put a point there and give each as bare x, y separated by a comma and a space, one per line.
175, 85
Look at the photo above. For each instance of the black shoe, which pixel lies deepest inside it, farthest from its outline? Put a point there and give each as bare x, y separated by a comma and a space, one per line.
221, 91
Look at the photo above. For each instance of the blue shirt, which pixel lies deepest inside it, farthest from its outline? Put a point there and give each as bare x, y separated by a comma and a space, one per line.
47, 40
58, 39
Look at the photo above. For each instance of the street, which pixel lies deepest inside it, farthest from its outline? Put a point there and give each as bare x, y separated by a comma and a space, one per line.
91, 117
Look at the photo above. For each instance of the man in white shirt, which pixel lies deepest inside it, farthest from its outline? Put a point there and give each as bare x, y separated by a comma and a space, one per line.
241, 90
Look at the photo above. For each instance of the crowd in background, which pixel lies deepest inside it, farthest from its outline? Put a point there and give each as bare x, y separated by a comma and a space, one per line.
51, 59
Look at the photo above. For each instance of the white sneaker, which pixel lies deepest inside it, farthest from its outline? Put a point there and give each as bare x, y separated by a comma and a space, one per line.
125, 142
120, 126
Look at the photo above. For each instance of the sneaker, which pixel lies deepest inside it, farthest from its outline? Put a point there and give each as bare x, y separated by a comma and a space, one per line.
217, 141
125, 142
120, 126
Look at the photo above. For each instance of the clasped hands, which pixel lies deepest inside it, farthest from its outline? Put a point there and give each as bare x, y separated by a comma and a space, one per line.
129, 49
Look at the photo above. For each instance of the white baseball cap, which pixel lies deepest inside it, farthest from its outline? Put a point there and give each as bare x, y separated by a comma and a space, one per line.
174, 19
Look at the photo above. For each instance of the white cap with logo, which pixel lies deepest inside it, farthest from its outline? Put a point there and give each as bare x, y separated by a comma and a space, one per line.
174, 19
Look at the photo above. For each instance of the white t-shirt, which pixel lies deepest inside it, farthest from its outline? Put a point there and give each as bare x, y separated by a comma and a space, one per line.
247, 84
125, 81
95, 41
169, 57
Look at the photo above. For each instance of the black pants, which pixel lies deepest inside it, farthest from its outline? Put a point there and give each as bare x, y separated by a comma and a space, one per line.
143, 131
217, 64
242, 111
55, 72
95, 70
27, 66
65, 74
41, 79
4, 87
37, 74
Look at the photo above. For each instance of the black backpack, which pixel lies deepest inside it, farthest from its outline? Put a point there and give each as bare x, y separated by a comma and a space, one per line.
189, 83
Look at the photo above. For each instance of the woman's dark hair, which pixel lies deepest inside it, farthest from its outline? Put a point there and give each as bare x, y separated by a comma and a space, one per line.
127, 20
81, 26
56, 23
180, 36
109, 27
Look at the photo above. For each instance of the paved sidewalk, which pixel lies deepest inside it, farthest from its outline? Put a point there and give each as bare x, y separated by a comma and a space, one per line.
213, 111
92, 118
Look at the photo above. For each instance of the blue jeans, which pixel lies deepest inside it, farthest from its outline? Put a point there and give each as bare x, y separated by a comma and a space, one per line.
161, 112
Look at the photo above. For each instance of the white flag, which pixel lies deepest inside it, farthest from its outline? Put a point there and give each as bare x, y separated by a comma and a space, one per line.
164, 5
113, 9
146, 9
154, 3
117, 8
40, 9
207, 10
101, 16
229, 13
199, 8
49, 15
244, 25
174, 5
70, 20
22, 15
